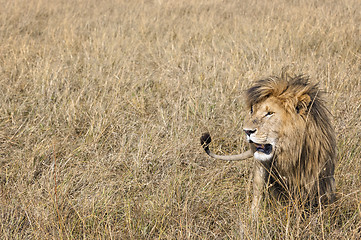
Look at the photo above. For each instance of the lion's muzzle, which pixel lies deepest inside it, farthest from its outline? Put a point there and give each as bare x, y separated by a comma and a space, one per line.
264, 148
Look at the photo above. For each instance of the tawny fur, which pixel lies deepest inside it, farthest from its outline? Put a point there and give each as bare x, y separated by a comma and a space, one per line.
303, 163
289, 114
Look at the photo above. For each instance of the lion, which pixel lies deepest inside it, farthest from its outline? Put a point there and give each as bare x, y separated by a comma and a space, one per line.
291, 139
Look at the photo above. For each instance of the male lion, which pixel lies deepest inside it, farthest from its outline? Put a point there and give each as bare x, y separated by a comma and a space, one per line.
291, 139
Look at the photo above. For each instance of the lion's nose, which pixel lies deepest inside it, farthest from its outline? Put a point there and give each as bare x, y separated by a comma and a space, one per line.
249, 131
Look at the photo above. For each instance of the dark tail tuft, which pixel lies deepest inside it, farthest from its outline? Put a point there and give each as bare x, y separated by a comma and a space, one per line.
205, 140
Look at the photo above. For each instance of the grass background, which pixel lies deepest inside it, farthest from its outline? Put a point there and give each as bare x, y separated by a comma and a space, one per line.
103, 103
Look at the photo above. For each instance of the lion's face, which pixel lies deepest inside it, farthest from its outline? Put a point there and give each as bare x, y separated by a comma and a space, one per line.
263, 127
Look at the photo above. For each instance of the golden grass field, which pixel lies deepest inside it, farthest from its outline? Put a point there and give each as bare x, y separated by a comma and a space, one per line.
103, 104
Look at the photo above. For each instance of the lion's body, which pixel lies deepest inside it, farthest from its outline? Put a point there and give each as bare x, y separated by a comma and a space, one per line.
290, 133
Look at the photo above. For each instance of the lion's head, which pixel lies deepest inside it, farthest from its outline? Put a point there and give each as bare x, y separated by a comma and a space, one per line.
279, 109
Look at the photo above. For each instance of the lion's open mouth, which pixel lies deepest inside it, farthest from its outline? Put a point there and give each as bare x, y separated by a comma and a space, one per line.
264, 148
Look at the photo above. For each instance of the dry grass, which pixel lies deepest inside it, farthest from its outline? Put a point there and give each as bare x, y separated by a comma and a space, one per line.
103, 103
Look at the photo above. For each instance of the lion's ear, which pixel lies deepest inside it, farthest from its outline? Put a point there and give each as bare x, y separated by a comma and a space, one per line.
303, 103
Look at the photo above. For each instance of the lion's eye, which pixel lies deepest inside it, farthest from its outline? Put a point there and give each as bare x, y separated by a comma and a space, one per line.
269, 114
251, 109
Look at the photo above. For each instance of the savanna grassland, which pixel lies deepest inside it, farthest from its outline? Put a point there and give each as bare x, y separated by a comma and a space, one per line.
103, 103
